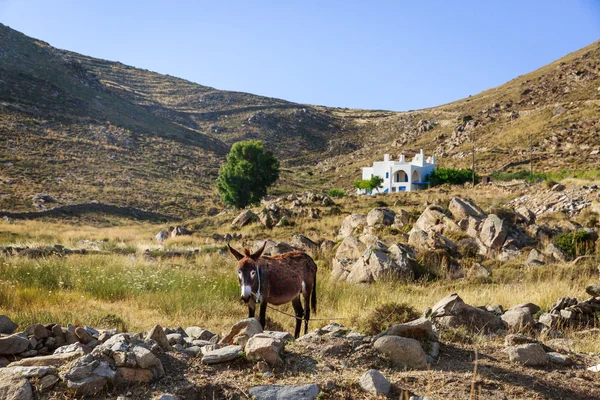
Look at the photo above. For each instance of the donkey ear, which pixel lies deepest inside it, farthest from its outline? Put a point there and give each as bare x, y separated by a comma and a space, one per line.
258, 252
235, 253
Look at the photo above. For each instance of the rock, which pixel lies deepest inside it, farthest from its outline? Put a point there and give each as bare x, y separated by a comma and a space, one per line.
272, 248
380, 216
162, 235
403, 352
559, 187
242, 331
593, 290
244, 218
559, 359
197, 333
552, 321
515, 339
4, 362
83, 335
532, 308
530, 354
303, 243
54, 360
376, 264
595, 368
75, 347
37, 330
526, 214
47, 383
224, 354
14, 387
421, 328
374, 382
7, 327
429, 240
144, 357
346, 255
13, 344
264, 347
453, 312
464, 208
478, 271
535, 258
350, 225
88, 376
180, 231
283, 336
557, 253
157, 334
518, 319
493, 232
193, 351
175, 338
31, 372
281, 392
135, 375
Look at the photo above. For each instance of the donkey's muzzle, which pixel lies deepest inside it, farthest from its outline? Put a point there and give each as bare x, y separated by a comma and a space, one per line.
246, 293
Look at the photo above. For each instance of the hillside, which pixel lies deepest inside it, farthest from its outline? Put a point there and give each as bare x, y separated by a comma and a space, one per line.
84, 129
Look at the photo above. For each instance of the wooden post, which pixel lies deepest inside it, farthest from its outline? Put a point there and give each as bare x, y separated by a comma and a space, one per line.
530, 159
473, 163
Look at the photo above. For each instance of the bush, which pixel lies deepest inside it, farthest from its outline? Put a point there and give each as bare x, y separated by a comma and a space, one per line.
575, 243
369, 184
336, 192
247, 174
451, 176
386, 316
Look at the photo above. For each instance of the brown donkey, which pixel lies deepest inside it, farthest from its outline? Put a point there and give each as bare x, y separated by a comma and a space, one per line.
278, 280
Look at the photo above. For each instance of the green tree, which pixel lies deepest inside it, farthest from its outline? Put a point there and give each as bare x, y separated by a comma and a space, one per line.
369, 184
248, 172
451, 176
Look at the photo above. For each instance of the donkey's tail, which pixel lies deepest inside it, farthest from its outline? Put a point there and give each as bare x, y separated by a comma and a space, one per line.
313, 297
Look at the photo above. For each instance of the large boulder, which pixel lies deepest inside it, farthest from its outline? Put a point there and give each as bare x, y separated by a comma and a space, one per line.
453, 312
7, 327
421, 328
380, 216
493, 232
518, 319
303, 243
14, 387
526, 214
535, 258
350, 224
241, 331
244, 218
377, 263
430, 240
433, 218
346, 255
158, 335
530, 354
463, 208
13, 344
403, 352
556, 253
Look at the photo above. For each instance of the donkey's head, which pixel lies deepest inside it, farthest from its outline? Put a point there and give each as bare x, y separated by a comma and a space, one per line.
247, 270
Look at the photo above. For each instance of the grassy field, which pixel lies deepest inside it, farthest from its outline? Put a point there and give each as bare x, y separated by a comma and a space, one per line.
121, 287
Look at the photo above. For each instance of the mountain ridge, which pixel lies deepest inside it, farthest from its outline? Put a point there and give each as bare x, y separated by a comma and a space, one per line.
88, 129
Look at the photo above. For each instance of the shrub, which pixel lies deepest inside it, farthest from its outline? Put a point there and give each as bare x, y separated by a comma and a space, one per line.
575, 243
451, 176
333, 192
386, 316
247, 174
369, 184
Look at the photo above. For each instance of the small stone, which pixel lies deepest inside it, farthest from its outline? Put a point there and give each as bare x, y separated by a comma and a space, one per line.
193, 351
224, 354
264, 348
531, 354
593, 290
281, 392
7, 327
47, 383
197, 333
37, 330
374, 382
158, 335
83, 335
402, 351
560, 359
13, 344
144, 357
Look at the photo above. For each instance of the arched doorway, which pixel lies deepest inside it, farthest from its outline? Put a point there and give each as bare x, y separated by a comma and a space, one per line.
416, 177
400, 176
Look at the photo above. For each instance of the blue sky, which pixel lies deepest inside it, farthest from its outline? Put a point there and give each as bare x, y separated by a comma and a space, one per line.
395, 55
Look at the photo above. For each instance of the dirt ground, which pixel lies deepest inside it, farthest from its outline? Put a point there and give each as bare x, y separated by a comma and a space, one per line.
336, 367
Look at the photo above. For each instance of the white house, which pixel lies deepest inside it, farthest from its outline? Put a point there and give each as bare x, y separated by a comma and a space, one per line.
401, 175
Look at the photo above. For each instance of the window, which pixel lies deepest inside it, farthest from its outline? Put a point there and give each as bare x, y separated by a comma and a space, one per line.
387, 175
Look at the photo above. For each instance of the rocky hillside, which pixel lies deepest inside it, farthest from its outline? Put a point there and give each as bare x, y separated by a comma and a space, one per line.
83, 129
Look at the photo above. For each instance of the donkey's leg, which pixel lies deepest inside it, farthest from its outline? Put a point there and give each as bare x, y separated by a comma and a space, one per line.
263, 314
251, 309
306, 294
297, 303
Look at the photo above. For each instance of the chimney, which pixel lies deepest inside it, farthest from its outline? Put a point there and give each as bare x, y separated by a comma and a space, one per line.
386, 157
402, 158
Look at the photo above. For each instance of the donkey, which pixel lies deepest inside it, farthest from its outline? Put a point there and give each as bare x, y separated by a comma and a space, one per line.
278, 280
